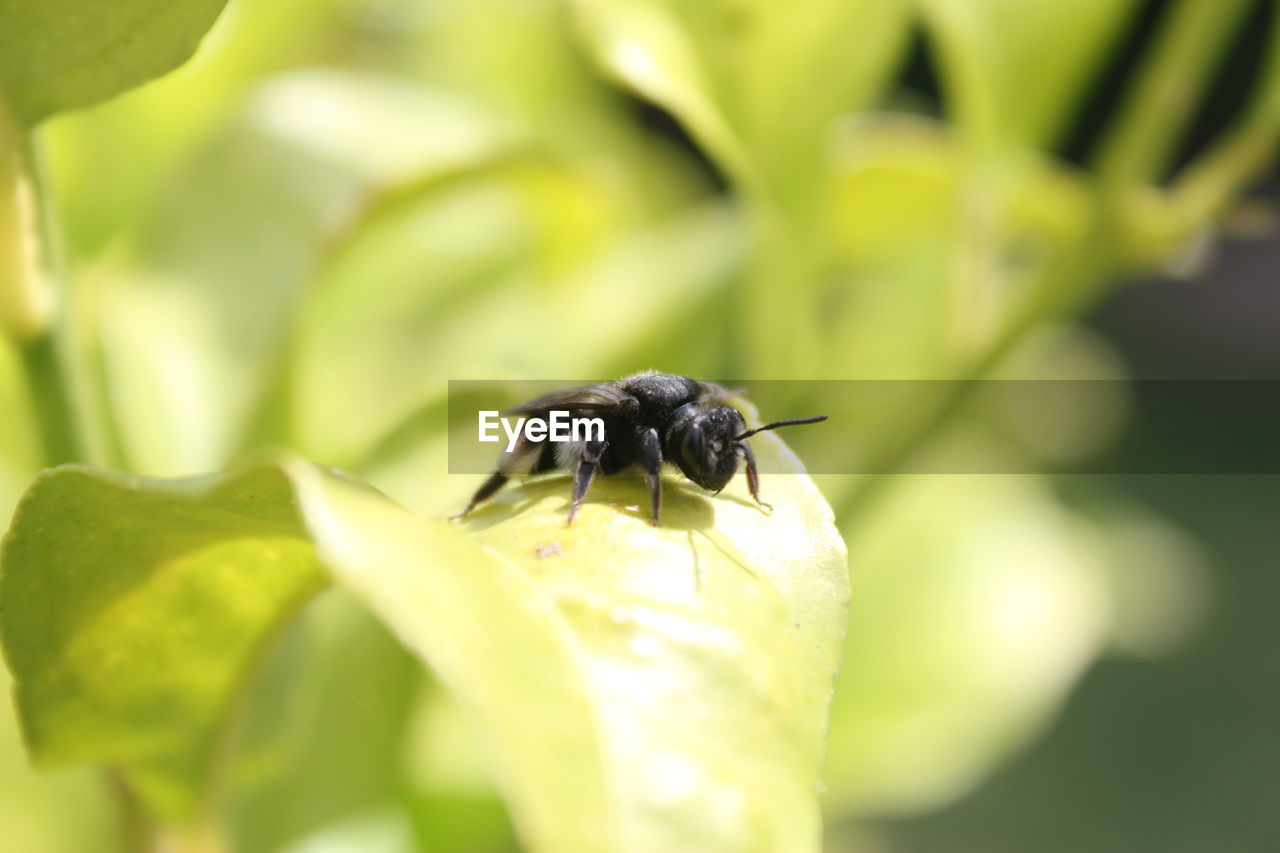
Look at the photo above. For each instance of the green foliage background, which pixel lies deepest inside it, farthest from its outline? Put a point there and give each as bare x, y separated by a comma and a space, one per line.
299, 235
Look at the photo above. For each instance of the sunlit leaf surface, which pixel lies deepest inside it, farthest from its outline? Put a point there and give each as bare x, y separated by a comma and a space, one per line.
634, 688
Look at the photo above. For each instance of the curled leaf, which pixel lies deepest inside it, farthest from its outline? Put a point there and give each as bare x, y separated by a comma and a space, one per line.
130, 610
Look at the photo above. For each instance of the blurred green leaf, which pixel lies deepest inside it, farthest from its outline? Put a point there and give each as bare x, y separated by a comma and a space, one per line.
34, 804
304, 157
309, 749
897, 179
447, 824
569, 662
756, 82
896, 187
61, 54
979, 602
463, 278
1014, 71
113, 163
758, 85
450, 792
346, 185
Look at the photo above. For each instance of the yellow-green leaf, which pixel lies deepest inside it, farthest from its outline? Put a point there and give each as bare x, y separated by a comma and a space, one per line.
130, 610
60, 54
636, 688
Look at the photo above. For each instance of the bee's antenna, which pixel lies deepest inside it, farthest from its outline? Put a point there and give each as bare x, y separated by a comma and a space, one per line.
776, 424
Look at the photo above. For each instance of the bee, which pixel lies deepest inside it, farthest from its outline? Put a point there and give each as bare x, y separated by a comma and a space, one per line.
649, 419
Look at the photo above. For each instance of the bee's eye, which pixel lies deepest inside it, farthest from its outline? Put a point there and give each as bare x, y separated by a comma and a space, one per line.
692, 445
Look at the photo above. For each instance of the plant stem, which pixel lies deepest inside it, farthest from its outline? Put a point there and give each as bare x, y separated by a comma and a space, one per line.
44, 358
51, 403
28, 295
25, 309
136, 828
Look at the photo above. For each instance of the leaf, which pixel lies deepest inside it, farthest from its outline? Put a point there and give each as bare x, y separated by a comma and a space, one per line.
61, 54
348, 185
464, 302
636, 689
34, 805
294, 765
205, 324
708, 643
1015, 70
131, 610
756, 82
895, 189
114, 166
980, 601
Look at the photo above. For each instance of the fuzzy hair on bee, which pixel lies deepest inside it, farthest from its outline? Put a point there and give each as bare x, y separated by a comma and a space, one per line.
650, 419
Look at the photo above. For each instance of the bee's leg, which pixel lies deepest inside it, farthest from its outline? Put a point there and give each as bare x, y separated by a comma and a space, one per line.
753, 476
653, 469
588, 467
525, 458
496, 481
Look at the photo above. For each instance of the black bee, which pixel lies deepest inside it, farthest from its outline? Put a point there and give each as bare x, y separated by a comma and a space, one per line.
649, 418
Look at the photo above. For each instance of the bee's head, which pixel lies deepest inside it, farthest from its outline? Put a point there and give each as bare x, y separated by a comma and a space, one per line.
702, 441
708, 441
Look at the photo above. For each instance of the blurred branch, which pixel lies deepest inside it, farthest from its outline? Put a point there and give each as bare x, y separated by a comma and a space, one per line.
956, 31
1138, 149
1207, 185
138, 832
1061, 288
28, 261
26, 305
50, 401
1162, 101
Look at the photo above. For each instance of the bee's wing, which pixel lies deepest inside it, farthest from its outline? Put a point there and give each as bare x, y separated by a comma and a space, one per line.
605, 395
718, 394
